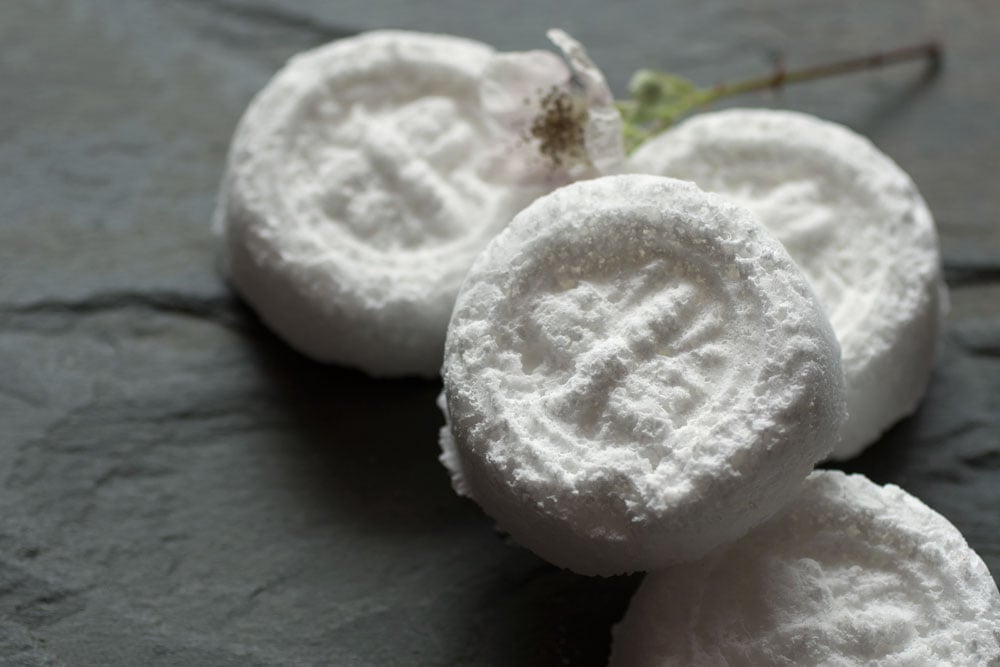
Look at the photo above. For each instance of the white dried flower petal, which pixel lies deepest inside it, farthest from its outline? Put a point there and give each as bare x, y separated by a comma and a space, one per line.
584, 70
512, 80
555, 120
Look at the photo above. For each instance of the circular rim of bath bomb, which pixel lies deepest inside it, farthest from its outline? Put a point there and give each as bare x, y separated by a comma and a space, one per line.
635, 373
850, 573
352, 204
878, 245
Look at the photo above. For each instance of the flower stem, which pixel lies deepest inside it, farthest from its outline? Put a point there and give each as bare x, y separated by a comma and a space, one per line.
659, 99
929, 51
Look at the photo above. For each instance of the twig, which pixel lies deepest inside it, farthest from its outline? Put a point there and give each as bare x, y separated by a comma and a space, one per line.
658, 99
929, 51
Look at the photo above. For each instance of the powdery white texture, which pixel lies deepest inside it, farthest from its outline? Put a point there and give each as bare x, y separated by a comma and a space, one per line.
851, 574
352, 205
854, 222
635, 373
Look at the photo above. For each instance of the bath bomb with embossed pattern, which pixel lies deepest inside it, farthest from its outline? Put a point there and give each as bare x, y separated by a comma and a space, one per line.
852, 573
854, 222
635, 373
352, 204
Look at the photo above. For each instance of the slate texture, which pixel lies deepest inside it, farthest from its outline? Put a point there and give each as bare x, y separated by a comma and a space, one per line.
179, 488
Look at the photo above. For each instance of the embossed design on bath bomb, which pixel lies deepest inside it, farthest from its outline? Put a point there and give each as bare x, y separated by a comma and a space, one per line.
635, 373
854, 222
852, 573
368, 174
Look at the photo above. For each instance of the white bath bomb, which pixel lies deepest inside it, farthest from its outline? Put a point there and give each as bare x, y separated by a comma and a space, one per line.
635, 373
352, 205
850, 574
854, 222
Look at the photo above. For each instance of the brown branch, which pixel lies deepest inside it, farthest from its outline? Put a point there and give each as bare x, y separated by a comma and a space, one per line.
929, 51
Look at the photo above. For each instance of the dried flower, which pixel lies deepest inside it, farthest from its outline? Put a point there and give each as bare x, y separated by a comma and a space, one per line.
554, 118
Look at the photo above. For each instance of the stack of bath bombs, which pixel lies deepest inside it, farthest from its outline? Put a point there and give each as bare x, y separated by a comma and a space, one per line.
637, 377
641, 370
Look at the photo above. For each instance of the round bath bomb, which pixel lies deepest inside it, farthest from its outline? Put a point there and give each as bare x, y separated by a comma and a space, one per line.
854, 222
851, 574
352, 205
635, 373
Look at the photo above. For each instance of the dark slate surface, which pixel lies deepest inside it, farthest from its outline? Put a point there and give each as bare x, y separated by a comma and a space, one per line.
178, 488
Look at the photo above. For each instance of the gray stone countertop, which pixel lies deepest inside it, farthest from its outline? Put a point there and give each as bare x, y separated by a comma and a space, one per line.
177, 487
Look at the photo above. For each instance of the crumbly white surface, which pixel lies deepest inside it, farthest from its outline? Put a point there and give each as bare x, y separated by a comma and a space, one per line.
854, 222
352, 205
850, 574
635, 373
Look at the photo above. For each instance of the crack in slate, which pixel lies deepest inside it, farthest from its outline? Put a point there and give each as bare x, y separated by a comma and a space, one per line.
36, 601
274, 17
222, 309
979, 337
988, 460
971, 274
974, 349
